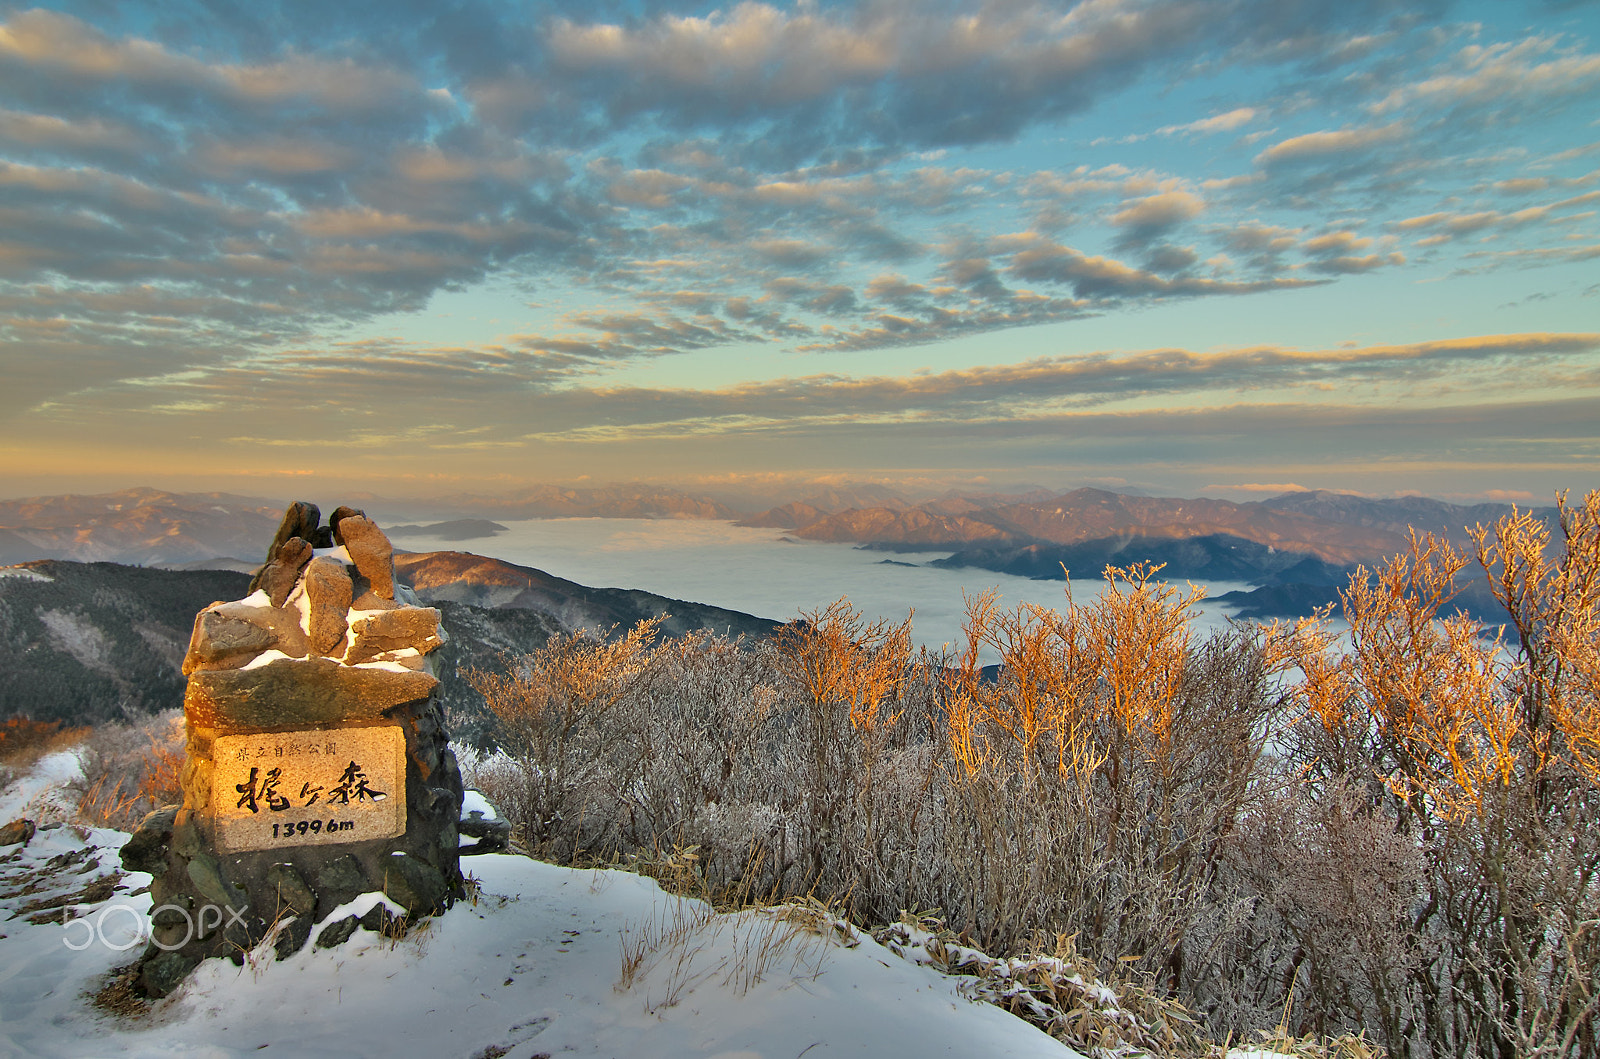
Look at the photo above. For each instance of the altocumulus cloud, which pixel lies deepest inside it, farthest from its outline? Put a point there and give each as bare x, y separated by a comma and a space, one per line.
198, 206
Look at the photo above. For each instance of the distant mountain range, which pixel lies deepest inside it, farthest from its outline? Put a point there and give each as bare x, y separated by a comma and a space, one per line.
552, 501
85, 643
145, 527
84, 640
151, 527
1299, 547
1295, 547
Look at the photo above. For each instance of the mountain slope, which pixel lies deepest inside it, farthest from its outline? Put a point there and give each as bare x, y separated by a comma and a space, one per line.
493, 584
90, 642
1396, 514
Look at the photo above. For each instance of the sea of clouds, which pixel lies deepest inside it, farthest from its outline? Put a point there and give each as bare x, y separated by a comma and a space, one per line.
765, 572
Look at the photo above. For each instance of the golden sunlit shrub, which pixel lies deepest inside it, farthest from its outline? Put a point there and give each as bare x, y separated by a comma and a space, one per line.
1479, 753
1108, 762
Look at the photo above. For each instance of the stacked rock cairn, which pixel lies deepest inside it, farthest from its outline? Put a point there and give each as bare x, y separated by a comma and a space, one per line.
326, 652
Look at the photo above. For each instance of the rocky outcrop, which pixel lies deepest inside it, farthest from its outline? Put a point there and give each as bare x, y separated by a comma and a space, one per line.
277, 579
18, 832
481, 822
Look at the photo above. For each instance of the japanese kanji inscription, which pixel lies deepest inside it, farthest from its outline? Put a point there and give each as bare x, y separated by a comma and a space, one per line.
310, 787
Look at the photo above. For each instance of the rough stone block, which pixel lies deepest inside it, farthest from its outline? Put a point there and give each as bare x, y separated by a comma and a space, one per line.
337, 933
162, 974
292, 937
206, 874
278, 578
292, 892
492, 836
300, 519
380, 920
196, 781
341, 513
366, 599
218, 637
414, 884
229, 635
414, 662
289, 693
167, 888
170, 928
394, 630
186, 835
341, 879
371, 552
146, 848
17, 831
328, 596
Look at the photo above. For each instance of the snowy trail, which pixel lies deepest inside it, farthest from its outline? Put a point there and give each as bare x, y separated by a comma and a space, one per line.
531, 968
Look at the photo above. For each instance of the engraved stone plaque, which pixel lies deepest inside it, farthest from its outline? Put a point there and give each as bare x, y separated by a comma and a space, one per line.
309, 788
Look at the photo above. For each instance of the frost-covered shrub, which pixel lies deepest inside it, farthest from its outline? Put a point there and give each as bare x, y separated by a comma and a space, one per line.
1400, 835
130, 770
832, 760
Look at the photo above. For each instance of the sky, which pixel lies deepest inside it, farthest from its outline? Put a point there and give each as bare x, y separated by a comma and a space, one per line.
1221, 247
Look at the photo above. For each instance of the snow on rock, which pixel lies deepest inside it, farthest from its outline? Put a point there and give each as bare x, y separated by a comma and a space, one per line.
359, 907
1051, 992
534, 964
266, 658
481, 830
473, 801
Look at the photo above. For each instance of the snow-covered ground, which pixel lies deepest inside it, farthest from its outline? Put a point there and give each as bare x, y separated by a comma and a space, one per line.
536, 965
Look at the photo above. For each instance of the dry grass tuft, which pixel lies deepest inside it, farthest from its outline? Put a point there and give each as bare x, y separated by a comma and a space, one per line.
120, 995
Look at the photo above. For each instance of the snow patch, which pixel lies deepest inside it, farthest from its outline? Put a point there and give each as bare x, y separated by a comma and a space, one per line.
358, 907
267, 658
75, 635
393, 667
41, 794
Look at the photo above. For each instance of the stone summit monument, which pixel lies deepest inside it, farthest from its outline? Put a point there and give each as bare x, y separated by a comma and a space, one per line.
318, 770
